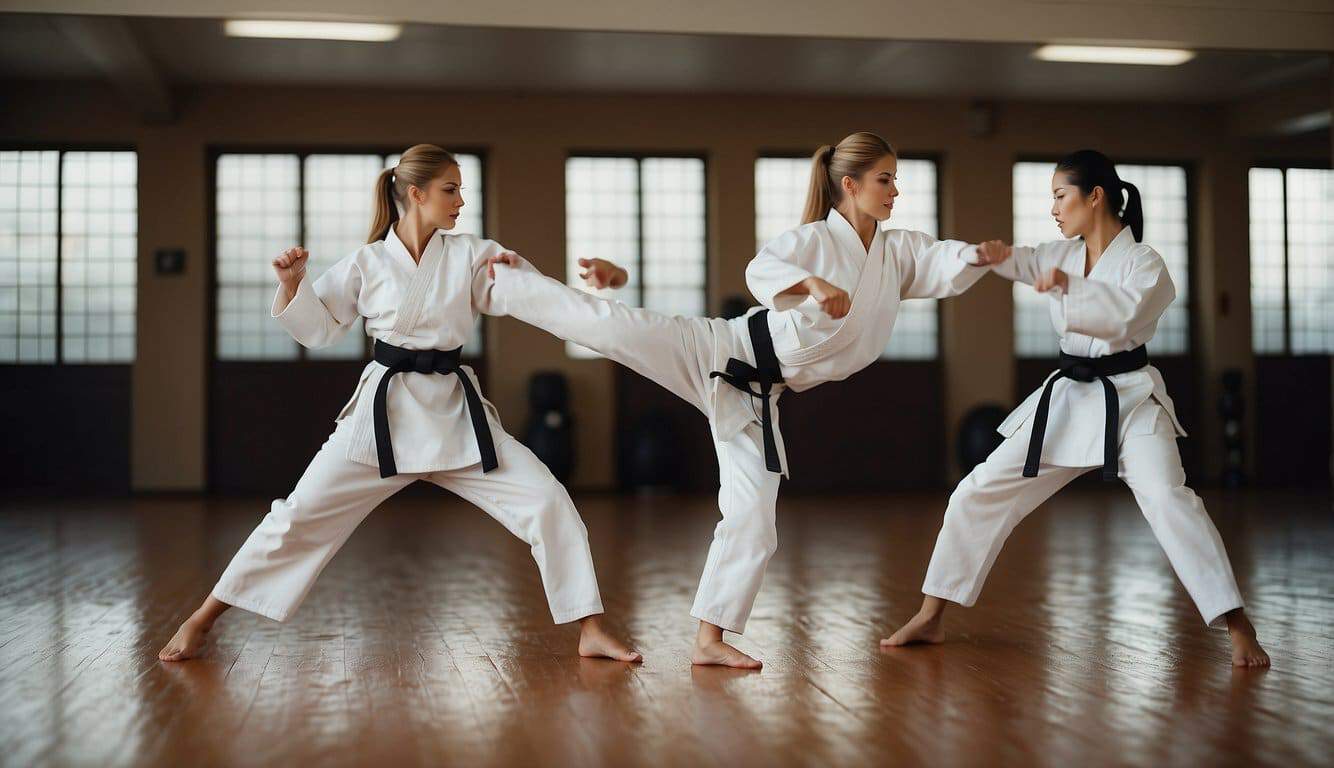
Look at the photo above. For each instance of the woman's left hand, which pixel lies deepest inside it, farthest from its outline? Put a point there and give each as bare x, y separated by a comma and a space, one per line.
508, 258
600, 273
992, 252
1052, 279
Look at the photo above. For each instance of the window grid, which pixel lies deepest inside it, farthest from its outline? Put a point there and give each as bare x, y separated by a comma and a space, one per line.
1163, 189
644, 212
1310, 230
268, 202
1269, 288
781, 184
98, 260
68, 260
1292, 277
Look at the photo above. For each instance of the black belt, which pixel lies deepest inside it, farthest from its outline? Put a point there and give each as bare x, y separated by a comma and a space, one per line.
400, 360
765, 373
1086, 369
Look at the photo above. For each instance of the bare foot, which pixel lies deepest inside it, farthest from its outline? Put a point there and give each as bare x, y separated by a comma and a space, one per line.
718, 653
187, 643
1246, 650
594, 642
924, 628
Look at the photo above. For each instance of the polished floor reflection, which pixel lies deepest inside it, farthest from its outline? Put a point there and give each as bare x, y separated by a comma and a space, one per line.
427, 642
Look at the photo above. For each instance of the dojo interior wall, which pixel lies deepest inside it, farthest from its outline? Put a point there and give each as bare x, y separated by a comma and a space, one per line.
526, 140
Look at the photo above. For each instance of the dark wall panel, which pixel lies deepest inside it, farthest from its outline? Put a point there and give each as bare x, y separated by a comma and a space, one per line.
67, 428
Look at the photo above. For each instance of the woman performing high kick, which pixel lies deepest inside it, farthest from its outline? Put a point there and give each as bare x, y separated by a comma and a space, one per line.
830, 291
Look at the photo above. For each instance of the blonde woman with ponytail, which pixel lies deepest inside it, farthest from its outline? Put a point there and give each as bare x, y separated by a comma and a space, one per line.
416, 413
1108, 408
830, 291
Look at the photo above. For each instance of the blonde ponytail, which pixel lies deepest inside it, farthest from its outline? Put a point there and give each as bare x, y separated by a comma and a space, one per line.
384, 208
819, 197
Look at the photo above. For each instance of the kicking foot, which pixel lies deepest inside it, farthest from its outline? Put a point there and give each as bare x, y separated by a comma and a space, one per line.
718, 653
1246, 650
595, 643
187, 643
923, 628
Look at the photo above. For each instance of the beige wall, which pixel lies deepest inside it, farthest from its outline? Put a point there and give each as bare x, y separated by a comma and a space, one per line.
527, 139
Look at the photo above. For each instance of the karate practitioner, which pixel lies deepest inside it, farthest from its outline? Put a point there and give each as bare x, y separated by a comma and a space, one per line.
830, 291
1105, 407
414, 415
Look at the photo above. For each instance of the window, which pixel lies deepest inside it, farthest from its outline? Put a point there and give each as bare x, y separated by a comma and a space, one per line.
781, 184
68, 256
646, 214
1292, 273
268, 202
1166, 228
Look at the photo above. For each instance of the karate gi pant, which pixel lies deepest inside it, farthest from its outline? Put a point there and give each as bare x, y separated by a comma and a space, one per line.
678, 353
277, 565
995, 496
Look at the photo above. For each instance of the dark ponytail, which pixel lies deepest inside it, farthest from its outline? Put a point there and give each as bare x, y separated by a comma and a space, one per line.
1133, 216
1089, 169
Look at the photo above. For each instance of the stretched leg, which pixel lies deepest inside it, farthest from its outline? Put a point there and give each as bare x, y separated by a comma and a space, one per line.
277, 565
982, 512
1151, 466
743, 542
523, 496
675, 352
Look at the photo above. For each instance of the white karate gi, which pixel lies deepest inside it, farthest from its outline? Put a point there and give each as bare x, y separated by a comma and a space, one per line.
679, 353
431, 305
1114, 309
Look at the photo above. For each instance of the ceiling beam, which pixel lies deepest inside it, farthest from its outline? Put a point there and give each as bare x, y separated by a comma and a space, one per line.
1274, 25
110, 44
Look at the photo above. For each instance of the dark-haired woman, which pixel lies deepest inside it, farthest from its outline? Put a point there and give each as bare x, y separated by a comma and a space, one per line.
416, 414
830, 291
1105, 407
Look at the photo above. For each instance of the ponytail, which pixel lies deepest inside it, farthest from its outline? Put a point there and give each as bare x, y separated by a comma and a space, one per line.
819, 197
416, 168
384, 208
1090, 169
1133, 216
854, 155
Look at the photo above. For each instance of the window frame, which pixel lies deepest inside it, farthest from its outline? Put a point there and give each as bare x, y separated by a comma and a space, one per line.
1282, 166
61, 147
302, 151
639, 156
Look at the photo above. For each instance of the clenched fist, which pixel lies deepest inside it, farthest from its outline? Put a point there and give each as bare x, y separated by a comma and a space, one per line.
833, 300
290, 267
1052, 279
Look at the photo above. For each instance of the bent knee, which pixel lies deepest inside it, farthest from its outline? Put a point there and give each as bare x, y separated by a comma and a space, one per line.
759, 532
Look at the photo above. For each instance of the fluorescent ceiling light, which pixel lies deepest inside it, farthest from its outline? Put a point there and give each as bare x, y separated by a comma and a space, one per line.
313, 30
1092, 54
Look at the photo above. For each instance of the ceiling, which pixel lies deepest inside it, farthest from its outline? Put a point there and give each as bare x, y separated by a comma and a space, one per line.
194, 50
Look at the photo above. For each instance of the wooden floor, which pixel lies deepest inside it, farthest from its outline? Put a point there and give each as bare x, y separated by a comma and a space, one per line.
427, 642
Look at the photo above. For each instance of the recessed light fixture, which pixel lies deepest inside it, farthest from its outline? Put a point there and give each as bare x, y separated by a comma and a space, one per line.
313, 30
1094, 54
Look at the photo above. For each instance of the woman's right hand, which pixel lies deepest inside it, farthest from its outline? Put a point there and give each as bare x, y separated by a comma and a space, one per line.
290, 267
833, 300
